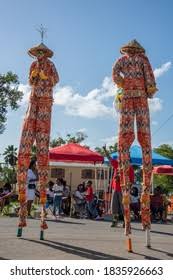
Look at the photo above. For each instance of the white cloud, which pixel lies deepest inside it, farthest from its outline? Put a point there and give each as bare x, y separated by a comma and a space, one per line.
155, 104
154, 123
84, 130
93, 104
88, 106
109, 140
164, 68
26, 89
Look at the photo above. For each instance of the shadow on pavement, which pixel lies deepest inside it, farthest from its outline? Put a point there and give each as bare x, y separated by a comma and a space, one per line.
78, 251
3, 259
146, 257
161, 251
65, 222
155, 231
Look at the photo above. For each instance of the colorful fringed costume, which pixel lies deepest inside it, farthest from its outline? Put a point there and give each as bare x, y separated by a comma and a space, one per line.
135, 79
42, 78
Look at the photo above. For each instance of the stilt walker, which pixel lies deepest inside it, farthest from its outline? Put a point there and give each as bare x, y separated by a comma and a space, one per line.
136, 83
42, 78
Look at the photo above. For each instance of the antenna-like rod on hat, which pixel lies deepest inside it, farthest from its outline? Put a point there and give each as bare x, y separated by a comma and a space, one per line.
42, 30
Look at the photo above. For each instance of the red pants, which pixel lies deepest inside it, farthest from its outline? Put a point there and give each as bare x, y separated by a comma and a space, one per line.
135, 107
36, 127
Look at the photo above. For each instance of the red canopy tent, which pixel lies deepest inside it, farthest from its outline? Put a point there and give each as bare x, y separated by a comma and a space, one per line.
163, 170
74, 152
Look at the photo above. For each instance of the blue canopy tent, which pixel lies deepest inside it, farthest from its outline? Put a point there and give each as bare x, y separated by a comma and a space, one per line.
136, 157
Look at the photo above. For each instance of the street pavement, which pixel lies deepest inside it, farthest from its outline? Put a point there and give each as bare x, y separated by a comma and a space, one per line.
74, 239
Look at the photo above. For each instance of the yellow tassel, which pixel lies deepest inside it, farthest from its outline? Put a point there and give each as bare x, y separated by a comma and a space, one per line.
34, 73
43, 76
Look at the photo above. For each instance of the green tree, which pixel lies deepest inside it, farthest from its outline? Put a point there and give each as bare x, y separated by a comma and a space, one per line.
57, 142
78, 137
9, 96
8, 174
165, 150
110, 149
165, 181
10, 155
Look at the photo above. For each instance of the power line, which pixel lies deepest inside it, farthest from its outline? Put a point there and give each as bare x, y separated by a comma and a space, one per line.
170, 117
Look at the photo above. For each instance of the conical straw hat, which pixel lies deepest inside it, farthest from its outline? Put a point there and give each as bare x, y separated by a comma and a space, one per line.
132, 46
35, 50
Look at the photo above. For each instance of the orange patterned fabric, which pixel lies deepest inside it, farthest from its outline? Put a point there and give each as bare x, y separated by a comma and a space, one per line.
43, 76
134, 74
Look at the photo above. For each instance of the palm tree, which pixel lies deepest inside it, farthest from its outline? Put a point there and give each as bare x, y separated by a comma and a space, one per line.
10, 158
57, 142
10, 155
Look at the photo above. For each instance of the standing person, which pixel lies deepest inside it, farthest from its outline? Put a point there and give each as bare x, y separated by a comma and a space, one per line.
66, 199
32, 179
133, 75
42, 78
58, 193
116, 200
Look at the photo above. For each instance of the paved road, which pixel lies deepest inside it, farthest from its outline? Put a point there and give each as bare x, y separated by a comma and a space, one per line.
82, 239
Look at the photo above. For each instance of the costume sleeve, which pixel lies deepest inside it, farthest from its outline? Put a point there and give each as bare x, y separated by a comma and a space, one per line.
54, 75
116, 73
150, 82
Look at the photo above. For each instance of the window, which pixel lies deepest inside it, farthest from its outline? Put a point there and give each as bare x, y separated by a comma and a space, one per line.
87, 174
57, 173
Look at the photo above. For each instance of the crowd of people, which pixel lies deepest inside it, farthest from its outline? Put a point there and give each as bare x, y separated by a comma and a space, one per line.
84, 203
58, 197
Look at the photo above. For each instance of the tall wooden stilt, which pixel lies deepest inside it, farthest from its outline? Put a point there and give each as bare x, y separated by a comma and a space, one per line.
148, 239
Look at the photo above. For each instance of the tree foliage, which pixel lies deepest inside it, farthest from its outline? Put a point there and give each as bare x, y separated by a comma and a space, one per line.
9, 96
8, 174
10, 155
165, 181
111, 149
78, 137
165, 150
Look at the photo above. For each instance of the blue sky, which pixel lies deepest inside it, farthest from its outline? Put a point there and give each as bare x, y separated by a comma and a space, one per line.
86, 37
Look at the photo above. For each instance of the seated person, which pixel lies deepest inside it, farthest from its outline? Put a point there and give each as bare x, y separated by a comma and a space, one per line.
4, 196
100, 207
80, 202
50, 194
135, 205
157, 204
166, 203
